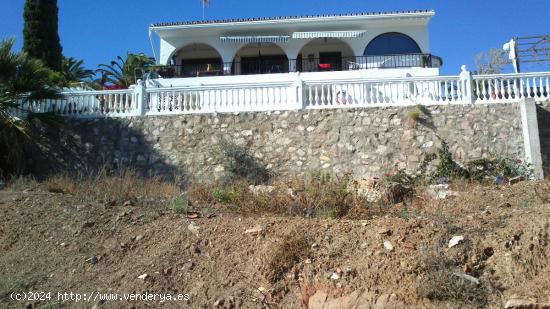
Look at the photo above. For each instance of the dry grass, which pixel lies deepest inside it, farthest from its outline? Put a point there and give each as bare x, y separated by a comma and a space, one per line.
280, 256
318, 195
104, 187
439, 283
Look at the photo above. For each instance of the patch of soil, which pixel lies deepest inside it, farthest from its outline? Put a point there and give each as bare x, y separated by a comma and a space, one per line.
54, 242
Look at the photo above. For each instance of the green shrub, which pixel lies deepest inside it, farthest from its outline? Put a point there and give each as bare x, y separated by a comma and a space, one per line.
447, 166
239, 164
179, 205
222, 195
414, 114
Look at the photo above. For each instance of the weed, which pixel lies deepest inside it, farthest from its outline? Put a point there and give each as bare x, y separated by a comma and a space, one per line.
404, 213
447, 167
179, 205
414, 114
440, 283
400, 177
239, 164
200, 193
104, 186
222, 195
332, 214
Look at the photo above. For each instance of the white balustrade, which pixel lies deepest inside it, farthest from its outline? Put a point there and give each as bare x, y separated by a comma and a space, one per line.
297, 93
222, 98
87, 104
382, 92
503, 88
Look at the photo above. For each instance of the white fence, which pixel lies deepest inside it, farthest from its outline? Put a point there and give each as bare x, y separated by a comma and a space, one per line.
297, 93
87, 104
511, 87
382, 92
222, 98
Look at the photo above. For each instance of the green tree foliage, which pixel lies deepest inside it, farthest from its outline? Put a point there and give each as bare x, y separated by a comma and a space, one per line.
74, 72
41, 40
22, 79
125, 72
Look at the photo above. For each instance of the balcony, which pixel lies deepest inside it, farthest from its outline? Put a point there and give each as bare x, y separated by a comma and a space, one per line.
270, 65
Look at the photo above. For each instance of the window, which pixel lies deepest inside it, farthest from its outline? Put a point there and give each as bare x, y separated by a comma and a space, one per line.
392, 43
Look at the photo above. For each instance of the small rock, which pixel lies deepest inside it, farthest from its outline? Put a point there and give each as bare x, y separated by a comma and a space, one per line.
253, 231
262, 289
193, 228
455, 241
388, 245
143, 277
88, 224
384, 231
314, 245
521, 303
334, 276
188, 266
138, 238
472, 279
92, 260
63, 244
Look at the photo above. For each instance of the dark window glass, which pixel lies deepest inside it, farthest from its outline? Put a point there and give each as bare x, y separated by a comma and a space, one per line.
392, 43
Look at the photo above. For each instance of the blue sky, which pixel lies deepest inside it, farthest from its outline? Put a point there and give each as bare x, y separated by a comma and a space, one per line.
99, 30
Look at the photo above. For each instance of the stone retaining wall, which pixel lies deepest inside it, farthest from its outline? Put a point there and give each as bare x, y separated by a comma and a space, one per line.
364, 142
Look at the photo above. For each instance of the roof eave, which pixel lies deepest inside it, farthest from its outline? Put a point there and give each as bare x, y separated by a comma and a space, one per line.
423, 15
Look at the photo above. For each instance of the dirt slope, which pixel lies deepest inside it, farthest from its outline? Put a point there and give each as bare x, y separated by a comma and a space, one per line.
47, 238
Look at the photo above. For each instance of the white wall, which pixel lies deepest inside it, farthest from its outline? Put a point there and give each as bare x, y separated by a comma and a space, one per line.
294, 47
285, 77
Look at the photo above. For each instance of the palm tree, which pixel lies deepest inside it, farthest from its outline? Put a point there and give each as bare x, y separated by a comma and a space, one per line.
22, 79
74, 72
125, 72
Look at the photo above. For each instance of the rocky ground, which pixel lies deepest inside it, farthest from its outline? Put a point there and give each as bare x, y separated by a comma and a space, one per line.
499, 255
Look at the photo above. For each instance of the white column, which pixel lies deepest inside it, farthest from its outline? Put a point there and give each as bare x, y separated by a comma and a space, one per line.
140, 97
299, 85
466, 85
531, 139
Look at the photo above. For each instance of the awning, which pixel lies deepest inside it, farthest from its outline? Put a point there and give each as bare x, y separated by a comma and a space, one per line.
328, 34
255, 39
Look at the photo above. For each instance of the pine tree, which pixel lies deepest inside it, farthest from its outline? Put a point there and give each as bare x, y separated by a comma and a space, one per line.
40, 32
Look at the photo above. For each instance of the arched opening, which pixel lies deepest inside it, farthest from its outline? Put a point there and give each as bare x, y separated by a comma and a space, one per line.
324, 54
197, 59
260, 58
395, 50
392, 43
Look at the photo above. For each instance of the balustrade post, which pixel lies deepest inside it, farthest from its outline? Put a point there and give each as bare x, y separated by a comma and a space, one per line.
140, 96
466, 85
299, 87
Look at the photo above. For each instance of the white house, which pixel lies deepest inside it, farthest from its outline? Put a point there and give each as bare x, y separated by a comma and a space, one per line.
362, 45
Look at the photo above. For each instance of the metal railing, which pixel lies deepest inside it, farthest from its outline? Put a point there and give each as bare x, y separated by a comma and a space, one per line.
270, 66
